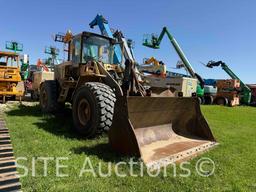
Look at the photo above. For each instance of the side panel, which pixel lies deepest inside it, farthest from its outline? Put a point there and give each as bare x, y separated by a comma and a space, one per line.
180, 84
39, 77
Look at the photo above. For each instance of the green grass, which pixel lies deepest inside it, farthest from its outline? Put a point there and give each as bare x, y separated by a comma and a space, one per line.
35, 135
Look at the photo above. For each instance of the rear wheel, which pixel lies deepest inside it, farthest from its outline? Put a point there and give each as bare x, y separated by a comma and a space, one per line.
208, 100
93, 109
49, 97
221, 101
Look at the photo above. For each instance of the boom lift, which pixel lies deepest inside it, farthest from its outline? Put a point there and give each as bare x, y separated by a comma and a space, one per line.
160, 130
245, 91
153, 66
126, 46
154, 42
52, 60
14, 46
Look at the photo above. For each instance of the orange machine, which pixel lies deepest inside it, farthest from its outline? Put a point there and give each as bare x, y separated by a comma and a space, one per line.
227, 92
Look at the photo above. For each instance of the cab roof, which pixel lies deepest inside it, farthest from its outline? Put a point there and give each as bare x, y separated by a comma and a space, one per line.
86, 33
10, 54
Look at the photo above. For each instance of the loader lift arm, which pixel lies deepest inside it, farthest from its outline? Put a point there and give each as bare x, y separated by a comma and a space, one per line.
122, 49
246, 91
154, 43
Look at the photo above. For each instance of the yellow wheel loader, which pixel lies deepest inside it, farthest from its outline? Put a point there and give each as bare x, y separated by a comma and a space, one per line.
160, 130
11, 84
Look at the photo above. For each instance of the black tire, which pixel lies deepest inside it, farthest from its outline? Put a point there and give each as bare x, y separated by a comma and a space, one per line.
221, 101
34, 95
93, 109
201, 100
13, 98
208, 100
49, 97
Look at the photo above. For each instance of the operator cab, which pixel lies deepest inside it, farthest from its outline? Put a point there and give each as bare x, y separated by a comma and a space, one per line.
88, 46
9, 59
86, 49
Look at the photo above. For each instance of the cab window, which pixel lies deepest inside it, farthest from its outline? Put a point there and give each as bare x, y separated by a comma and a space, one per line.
76, 49
98, 49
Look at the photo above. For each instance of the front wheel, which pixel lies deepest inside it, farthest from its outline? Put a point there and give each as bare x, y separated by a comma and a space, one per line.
93, 109
208, 100
201, 100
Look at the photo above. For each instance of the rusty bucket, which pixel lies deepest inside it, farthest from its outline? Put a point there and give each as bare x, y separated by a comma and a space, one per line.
160, 130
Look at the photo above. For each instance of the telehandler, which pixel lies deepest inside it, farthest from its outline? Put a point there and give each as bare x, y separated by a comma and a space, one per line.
160, 130
245, 92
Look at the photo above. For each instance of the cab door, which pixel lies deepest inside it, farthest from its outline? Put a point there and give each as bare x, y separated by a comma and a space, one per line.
76, 51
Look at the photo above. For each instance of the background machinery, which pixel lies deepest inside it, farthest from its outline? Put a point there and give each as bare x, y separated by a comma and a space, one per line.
153, 66
153, 76
244, 92
160, 130
227, 92
159, 79
17, 47
210, 91
24, 69
11, 84
53, 59
153, 41
253, 90
14, 46
45, 71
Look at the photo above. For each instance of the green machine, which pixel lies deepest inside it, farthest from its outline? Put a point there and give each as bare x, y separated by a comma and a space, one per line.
245, 92
52, 60
24, 67
153, 41
14, 46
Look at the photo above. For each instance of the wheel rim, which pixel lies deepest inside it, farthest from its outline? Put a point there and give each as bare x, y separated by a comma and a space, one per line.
44, 99
84, 112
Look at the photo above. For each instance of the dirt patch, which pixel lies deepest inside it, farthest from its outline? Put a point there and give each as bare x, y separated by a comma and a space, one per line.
11, 104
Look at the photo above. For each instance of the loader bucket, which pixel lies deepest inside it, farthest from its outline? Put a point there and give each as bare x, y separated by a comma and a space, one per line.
160, 130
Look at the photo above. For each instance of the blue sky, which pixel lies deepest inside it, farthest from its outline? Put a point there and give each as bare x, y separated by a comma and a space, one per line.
205, 29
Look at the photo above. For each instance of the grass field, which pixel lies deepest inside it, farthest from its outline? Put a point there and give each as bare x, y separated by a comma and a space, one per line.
35, 135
